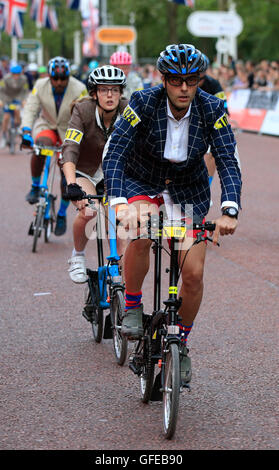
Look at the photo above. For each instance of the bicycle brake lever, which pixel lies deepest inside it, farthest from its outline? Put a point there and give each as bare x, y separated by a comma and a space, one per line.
210, 240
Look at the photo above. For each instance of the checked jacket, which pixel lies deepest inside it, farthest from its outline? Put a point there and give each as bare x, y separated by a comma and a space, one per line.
134, 162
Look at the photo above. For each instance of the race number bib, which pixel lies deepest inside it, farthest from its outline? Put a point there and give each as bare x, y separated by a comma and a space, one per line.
74, 135
221, 122
131, 116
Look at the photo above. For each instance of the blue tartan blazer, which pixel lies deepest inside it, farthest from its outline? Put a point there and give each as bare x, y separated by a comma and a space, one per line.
134, 163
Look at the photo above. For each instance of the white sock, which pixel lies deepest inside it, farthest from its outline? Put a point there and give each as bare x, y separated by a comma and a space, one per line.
78, 253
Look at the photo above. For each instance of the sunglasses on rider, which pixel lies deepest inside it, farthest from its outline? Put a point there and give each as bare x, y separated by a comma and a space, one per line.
175, 80
59, 77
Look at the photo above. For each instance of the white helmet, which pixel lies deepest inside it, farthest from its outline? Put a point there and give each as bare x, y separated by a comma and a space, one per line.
106, 75
32, 67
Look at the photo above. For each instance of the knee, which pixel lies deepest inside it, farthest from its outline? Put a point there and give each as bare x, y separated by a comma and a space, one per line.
192, 279
142, 247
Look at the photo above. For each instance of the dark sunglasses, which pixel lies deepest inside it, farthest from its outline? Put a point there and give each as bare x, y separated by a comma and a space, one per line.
59, 77
178, 81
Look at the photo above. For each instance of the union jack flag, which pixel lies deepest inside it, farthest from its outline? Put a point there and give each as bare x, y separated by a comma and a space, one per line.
187, 3
12, 16
44, 15
73, 4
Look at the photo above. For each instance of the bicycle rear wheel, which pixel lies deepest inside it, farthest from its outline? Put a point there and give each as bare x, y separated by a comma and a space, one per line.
37, 227
147, 374
12, 139
171, 390
117, 311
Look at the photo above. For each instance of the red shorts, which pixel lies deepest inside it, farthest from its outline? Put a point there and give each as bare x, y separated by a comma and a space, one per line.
159, 201
52, 135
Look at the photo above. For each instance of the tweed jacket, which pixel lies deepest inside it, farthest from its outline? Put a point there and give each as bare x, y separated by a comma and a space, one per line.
85, 140
134, 162
40, 111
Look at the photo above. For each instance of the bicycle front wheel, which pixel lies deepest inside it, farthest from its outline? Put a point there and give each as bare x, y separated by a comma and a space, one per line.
117, 311
171, 390
37, 228
49, 223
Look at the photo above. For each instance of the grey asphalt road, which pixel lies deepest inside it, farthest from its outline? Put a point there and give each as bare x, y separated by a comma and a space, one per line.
61, 390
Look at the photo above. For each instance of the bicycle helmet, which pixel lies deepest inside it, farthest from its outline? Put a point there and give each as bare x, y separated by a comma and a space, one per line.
181, 58
59, 66
106, 75
16, 69
121, 58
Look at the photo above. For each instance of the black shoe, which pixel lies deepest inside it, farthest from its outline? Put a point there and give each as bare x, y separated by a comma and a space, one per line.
61, 225
33, 196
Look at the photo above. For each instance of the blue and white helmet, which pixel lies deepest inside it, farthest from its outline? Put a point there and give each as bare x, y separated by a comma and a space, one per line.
59, 66
182, 59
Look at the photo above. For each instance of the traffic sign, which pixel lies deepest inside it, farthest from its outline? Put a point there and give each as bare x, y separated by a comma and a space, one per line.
212, 24
116, 35
25, 46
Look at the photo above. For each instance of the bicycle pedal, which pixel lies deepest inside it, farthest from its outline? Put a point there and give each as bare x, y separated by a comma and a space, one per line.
31, 229
87, 316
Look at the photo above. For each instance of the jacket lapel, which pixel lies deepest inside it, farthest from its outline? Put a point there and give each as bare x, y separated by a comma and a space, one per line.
160, 127
195, 130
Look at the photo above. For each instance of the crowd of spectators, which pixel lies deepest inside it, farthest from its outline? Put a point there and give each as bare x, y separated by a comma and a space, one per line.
262, 76
239, 74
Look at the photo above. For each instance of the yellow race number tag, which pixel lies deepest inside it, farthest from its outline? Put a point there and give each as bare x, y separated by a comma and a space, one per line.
74, 135
131, 116
47, 152
221, 122
176, 232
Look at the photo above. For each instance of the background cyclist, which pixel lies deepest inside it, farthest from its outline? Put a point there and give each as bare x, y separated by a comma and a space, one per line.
91, 124
123, 60
13, 89
46, 116
157, 149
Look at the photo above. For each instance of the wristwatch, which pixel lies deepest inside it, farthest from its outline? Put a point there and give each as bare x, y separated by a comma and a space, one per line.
230, 212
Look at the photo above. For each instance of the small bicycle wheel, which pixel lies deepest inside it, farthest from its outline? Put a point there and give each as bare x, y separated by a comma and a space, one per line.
94, 313
48, 229
49, 223
37, 227
117, 312
171, 390
147, 373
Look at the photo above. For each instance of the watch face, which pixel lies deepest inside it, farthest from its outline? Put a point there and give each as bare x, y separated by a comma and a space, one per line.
231, 212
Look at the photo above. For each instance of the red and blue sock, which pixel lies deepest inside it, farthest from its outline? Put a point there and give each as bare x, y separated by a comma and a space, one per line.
132, 300
184, 331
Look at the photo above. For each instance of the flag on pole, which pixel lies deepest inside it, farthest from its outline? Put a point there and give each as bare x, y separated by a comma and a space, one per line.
44, 15
12, 20
73, 4
2, 22
187, 3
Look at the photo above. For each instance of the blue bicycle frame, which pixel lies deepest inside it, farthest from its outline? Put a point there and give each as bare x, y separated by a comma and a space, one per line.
111, 270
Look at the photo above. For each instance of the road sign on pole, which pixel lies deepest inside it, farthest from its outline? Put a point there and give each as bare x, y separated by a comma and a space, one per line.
212, 24
116, 35
25, 46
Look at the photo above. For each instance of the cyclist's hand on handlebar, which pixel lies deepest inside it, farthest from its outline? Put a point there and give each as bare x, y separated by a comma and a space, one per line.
75, 193
224, 226
27, 141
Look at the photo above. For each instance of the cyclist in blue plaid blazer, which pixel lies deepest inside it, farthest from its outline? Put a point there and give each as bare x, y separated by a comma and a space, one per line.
156, 150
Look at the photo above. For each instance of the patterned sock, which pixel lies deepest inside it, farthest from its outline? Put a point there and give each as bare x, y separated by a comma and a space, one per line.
184, 331
36, 180
63, 207
132, 300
